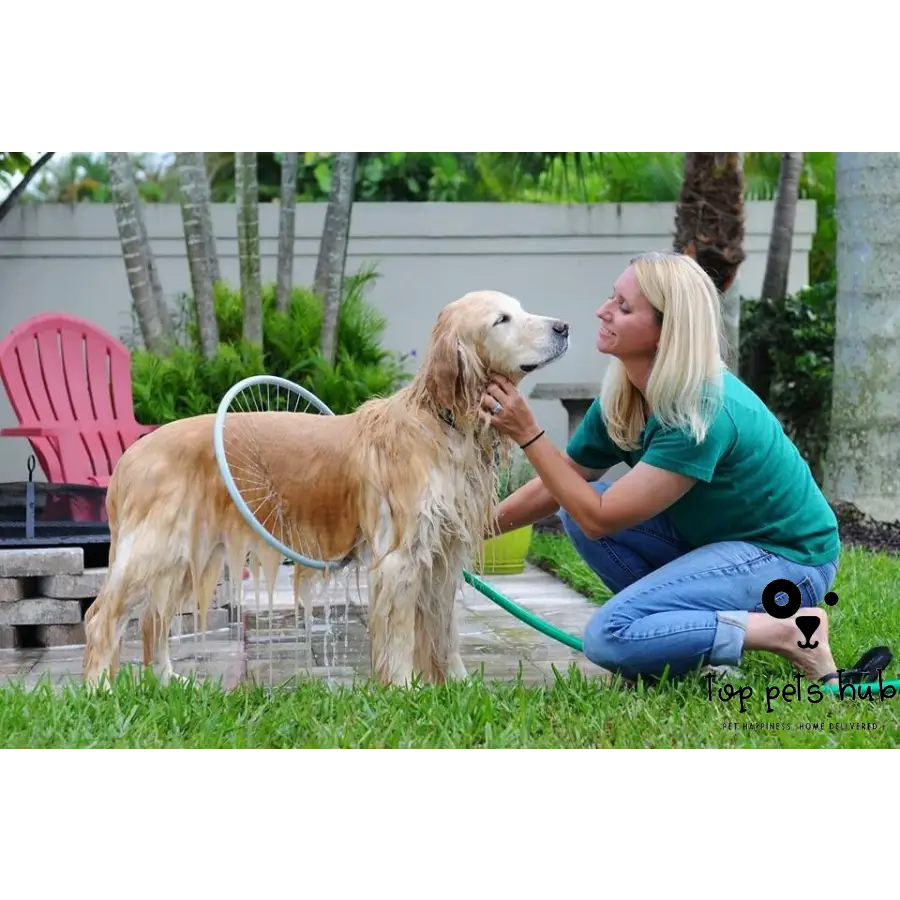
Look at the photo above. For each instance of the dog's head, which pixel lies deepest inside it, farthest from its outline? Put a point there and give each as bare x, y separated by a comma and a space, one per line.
484, 332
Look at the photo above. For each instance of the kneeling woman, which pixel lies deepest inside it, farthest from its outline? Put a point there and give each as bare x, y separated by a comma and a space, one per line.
718, 503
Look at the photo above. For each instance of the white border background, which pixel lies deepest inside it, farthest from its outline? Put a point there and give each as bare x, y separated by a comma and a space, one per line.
486, 75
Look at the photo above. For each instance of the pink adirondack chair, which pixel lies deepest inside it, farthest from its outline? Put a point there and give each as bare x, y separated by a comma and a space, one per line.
69, 383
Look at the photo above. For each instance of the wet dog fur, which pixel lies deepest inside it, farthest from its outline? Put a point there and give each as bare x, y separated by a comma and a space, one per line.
404, 485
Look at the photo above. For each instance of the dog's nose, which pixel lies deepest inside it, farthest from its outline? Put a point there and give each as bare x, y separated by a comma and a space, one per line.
561, 328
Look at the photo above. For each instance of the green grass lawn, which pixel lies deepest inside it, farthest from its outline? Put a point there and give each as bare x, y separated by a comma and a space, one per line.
575, 711
866, 615
556, 554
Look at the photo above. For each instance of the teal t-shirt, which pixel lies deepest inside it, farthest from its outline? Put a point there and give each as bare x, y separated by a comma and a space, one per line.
753, 484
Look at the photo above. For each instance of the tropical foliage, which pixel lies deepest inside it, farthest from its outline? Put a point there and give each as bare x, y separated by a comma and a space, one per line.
187, 382
453, 177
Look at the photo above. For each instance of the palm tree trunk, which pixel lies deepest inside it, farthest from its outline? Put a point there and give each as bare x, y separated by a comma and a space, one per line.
781, 238
286, 224
146, 293
778, 264
863, 456
191, 176
247, 191
329, 279
709, 226
165, 316
205, 208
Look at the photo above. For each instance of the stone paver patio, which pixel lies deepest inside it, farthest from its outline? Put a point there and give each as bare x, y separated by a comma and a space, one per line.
253, 648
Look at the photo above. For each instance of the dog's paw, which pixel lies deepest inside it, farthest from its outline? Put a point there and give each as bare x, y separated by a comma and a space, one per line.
167, 676
98, 683
457, 669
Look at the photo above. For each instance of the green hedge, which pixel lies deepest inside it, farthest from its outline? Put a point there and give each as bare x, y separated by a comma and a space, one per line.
186, 384
787, 357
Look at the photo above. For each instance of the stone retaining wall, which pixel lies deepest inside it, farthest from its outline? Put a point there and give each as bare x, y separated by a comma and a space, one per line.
45, 593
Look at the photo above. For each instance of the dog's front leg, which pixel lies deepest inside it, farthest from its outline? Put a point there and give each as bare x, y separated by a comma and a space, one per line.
393, 590
453, 663
457, 668
444, 590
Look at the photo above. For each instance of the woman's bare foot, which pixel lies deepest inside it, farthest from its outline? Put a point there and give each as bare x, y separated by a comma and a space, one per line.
812, 657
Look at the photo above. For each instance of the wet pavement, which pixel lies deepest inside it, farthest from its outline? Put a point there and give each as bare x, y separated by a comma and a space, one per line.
257, 647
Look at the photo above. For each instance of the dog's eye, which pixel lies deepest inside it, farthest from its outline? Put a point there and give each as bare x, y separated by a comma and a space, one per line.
503, 317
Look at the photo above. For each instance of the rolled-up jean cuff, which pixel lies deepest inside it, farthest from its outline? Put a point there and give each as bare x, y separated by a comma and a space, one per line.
729, 638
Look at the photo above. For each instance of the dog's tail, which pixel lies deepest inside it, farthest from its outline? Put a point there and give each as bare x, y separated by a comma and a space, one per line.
92, 636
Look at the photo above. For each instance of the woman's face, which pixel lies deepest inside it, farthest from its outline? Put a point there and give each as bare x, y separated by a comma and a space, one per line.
629, 328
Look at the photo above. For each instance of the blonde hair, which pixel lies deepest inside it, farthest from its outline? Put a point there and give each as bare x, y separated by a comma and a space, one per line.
685, 384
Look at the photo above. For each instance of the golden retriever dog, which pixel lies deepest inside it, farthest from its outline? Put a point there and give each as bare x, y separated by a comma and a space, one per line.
405, 485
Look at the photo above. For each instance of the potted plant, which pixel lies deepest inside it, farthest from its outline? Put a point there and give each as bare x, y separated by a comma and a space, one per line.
506, 553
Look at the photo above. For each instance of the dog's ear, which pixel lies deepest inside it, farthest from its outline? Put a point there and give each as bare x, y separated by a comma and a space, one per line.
442, 367
454, 374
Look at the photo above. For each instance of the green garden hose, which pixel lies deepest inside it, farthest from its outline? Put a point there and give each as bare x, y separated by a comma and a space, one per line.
528, 618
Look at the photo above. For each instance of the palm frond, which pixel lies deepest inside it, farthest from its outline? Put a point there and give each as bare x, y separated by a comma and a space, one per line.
566, 174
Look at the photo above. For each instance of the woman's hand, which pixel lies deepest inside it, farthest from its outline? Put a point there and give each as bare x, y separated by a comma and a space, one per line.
513, 417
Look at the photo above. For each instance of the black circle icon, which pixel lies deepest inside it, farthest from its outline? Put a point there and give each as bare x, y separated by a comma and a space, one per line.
831, 598
771, 591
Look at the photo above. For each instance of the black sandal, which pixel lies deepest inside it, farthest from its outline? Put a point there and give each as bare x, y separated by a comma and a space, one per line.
872, 663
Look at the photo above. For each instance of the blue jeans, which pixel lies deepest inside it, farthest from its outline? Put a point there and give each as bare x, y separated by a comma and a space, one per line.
676, 606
